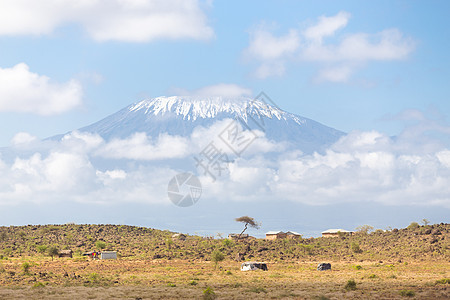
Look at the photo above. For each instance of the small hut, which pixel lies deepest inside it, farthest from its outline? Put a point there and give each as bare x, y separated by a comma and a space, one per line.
293, 235
274, 235
65, 253
108, 255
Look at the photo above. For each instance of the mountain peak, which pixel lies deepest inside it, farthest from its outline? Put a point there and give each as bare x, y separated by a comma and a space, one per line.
180, 115
195, 107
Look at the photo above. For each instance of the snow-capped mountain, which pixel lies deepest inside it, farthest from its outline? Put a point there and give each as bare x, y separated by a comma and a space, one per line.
180, 115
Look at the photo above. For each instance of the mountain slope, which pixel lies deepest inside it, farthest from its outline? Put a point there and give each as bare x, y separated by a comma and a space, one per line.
180, 115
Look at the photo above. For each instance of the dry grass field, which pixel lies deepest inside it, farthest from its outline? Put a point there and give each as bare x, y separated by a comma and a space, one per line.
172, 269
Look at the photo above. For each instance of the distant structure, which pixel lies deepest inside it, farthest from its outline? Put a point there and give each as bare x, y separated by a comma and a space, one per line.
336, 232
179, 236
65, 253
235, 236
108, 255
293, 235
275, 235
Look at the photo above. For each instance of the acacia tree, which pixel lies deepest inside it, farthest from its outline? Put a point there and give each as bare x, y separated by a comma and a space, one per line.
52, 251
247, 221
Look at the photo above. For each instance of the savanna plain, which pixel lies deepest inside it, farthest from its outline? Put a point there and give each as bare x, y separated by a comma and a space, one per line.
411, 262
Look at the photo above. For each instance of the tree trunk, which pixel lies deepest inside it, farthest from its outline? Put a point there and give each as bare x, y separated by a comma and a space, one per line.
245, 228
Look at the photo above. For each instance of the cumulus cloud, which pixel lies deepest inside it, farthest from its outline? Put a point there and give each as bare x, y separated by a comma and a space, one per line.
117, 20
361, 167
220, 89
337, 59
24, 91
141, 147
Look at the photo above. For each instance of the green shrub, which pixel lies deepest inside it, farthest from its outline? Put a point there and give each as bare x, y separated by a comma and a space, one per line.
193, 282
443, 281
52, 251
7, 251
372, 276
208, 294
227, 243
41, 248
350, 285
217, 257
171, 285
413, 225
357, 267
94, 278
38, 285
228, 272
100, 245
407, 293
26, 267
258, 290
355, 247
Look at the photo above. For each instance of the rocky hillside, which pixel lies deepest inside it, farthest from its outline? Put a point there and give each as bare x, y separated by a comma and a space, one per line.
413, 243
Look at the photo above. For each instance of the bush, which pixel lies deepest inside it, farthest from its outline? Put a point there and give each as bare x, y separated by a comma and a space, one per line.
357, 267
443, 281
41, 248
26, 267
217, 257
100, 245
372, 276
364, 229
94, 278
38, 285
52, 251
355, 247
193, 282
413, 225
350, 285
258, 290
227, 243
407, 293
208, 294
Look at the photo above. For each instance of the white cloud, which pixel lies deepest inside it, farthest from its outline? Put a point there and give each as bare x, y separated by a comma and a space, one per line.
337, 60
327, 26
119, 20
23, 138
265, 46
272, 51
141, 147
220, 89
24, 91
361, 167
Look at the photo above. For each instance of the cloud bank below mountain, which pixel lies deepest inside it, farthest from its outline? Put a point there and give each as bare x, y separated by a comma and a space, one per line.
362, 167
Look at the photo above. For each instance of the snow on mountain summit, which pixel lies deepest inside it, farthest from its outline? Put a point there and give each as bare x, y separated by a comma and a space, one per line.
179, 116
192, 108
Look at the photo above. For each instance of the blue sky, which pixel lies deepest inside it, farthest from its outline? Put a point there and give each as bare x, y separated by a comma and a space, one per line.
114, 72
373, 69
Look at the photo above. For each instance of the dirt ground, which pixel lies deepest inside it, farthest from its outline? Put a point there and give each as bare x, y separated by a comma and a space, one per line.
80, 278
